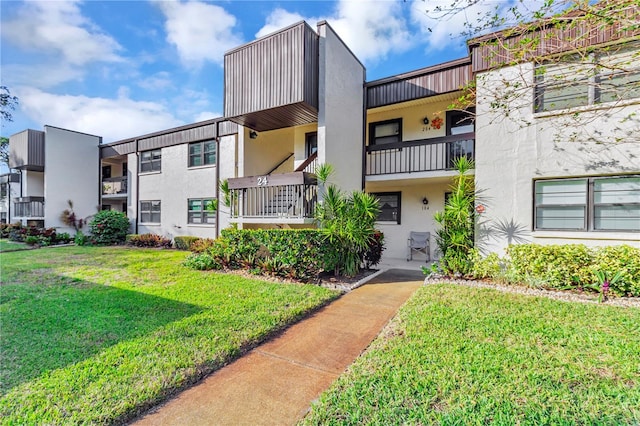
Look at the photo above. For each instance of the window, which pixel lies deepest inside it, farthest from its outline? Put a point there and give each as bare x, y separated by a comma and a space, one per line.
588, 204
106, 207
3, 190
150, 211
106, 172
124, 169
390, 203
605, 76
151, 161
458, 123
384, 132
202, 153
201, 211
311, 143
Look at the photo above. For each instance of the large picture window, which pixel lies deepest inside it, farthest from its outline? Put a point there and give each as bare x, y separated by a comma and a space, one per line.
588, 204
384, 132
202, 153
200, 211
151, 161
603, 76
150, 211
390, 203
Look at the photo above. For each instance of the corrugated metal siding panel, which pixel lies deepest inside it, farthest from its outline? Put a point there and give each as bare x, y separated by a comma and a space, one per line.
497, 52
416, 87
176, 138
228, 128
27, 150
117, 150
272, 72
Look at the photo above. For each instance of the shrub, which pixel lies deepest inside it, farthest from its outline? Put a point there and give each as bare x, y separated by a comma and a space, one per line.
17, 233
556, 266
373, 255
32, 240
201, 245
619, 259
297, 254
486, 267
63, 238
109, 227
201, 262
184, 242
148, 240
80, 239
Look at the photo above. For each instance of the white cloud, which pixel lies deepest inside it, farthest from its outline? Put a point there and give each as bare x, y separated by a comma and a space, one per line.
42, 75
206, 115
60, 29
199, 31
113, 119
371, 29
158, 81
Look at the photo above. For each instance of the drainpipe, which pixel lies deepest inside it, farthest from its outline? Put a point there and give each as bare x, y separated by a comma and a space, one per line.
217, 179
364, 132
137, 205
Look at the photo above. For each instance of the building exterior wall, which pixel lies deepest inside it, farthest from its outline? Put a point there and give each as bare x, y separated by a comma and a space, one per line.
32, 184
72, 172
414, 215
340, 111
510, 155
173, 186
413, 127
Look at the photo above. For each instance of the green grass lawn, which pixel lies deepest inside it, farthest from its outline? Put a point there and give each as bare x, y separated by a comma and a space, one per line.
6, 245
467, 356
97, 335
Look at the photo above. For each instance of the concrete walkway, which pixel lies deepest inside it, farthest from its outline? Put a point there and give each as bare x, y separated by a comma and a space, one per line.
276, 383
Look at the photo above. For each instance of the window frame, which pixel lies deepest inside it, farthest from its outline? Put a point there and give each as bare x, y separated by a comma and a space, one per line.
398, 220
589, 206
372, 131
202, 154
592, 80
307, 143
150, 212
152, 161
205, 213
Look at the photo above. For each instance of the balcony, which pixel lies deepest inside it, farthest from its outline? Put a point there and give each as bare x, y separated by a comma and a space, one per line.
29, 207
280, 198
114, 187
426, 155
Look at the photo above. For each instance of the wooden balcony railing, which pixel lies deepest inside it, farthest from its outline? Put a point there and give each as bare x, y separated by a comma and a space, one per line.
419, 156
281, 196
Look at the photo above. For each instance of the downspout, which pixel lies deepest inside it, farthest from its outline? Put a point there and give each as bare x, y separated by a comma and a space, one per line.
137, 200
364, 132
217, 179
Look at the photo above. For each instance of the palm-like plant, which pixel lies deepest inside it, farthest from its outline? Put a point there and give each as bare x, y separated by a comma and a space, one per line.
455, 238
347, 220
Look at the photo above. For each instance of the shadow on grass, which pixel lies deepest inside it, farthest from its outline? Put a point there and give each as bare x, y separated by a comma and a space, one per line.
45, 327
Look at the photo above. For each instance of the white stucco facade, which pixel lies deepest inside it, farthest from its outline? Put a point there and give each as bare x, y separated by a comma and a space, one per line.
513, 151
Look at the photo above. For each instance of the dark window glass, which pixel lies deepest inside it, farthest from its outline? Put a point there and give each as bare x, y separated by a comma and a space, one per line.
202, 153
150, 211
384, 132
201, 211
151, 161
390, 203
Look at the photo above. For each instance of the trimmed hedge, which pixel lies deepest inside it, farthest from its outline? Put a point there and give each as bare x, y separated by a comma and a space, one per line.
184, 242
573, 266
148, 240
109, 227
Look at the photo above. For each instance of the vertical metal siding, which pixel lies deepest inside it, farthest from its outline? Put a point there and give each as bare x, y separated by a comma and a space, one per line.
420, 86
27, 150
274, 71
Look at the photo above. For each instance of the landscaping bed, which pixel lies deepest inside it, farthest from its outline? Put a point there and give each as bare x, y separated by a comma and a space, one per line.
462, 355
99, 335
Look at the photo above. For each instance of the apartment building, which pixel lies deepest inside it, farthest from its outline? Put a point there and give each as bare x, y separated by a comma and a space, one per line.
52, 167
299, 97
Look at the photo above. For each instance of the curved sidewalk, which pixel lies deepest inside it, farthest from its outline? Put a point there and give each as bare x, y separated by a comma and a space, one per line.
276, 383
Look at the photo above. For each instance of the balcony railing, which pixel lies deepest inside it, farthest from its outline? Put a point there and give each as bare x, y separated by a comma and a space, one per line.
114, 186
419, 156
29, 208
281, 196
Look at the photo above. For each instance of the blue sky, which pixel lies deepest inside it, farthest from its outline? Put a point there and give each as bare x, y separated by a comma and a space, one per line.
120, 69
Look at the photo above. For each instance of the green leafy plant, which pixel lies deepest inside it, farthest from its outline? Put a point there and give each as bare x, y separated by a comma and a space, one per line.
184, 242
347, 222
605, 282
455, 237
485, 267
80, 239
32, 240
148, 240
109, 227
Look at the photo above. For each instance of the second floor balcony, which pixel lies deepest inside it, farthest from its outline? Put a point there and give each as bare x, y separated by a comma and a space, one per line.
114, 187
426, 155
28, 207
